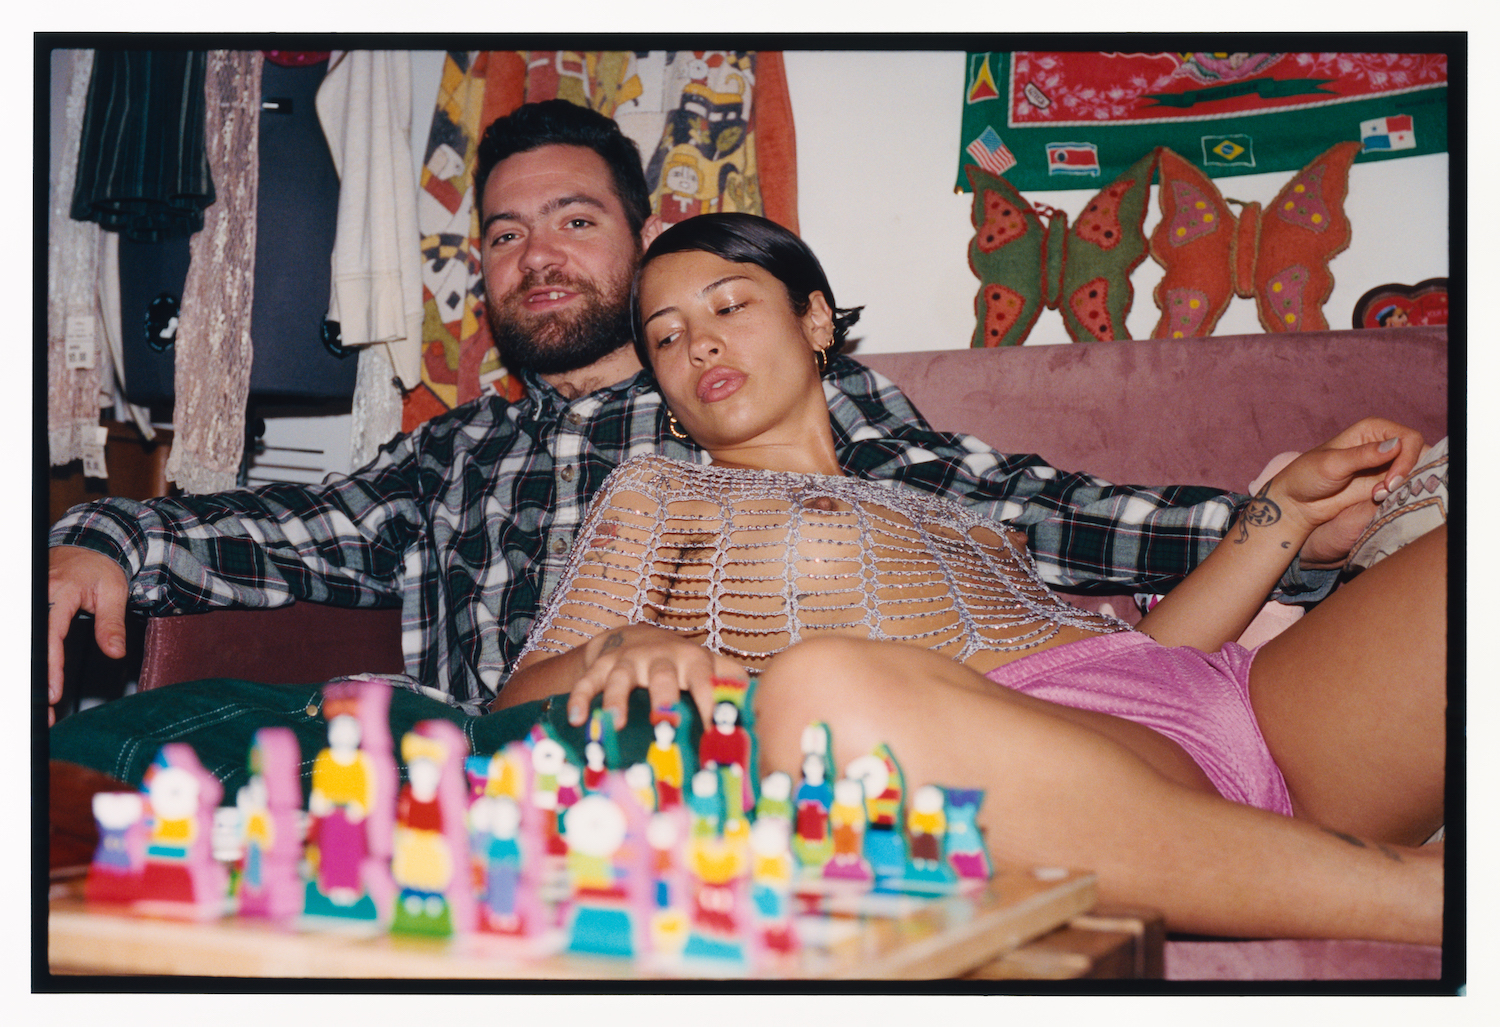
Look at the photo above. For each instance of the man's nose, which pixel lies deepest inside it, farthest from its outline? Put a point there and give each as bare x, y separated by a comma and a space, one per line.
542, 251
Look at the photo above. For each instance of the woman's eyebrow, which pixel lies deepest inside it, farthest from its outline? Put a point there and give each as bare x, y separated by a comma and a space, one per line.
710, 287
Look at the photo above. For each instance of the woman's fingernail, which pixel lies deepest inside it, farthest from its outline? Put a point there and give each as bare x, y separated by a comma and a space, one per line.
617, 718
1390, 444
575, 715
1395, 483
1380, 494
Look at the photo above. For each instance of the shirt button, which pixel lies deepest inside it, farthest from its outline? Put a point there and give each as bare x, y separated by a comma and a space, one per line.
567, 473
559, 545
574, 418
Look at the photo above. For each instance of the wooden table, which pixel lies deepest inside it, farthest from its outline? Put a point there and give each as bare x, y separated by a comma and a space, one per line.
911, 939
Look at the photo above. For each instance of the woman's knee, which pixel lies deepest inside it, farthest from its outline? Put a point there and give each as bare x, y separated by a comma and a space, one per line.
818, 669
856, 686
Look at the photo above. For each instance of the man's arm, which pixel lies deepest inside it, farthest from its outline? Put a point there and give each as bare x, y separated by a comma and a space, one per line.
1087, 535
340, 543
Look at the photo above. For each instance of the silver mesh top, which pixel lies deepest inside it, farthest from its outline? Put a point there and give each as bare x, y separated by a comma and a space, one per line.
749, 563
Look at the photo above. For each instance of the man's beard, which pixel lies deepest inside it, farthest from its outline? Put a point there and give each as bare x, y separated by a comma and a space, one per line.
564, 341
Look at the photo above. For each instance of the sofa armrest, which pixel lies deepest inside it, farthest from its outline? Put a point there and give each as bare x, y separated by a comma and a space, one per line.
298, 644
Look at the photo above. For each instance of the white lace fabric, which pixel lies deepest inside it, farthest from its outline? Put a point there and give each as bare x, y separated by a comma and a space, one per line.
212, 370
748, 563
73, 393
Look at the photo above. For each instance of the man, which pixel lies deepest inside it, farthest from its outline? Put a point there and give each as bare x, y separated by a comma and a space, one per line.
469, 520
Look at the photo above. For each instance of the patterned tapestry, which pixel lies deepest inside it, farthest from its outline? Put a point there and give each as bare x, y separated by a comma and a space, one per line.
1057, 120
714, 129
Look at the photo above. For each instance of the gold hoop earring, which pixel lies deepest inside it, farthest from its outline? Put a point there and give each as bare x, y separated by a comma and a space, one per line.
674, 427
821, 355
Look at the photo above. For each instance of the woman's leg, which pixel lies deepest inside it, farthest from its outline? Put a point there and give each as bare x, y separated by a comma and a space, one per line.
1060, 792
1352, 699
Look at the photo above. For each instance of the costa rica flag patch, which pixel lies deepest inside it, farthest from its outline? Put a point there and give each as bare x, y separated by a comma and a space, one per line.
1072, 159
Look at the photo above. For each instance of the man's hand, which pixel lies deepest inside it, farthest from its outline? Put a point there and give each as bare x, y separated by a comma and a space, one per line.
1329, 544
82, 580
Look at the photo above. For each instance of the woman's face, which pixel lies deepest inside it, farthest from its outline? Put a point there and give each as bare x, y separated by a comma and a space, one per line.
735, 362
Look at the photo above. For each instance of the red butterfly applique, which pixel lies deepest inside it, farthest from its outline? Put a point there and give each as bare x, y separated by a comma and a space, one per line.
1278, 256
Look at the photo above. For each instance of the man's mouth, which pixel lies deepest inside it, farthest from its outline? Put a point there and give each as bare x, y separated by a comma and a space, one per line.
543, 298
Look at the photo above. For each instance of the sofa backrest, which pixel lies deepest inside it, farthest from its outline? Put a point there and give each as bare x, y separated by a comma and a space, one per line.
1209, 411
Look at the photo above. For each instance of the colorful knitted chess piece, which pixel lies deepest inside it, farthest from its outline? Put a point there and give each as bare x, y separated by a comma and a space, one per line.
351, 807
429, 855
180, 875
269, 883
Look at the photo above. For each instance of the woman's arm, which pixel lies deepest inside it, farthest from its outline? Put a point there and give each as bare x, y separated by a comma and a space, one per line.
1216, 602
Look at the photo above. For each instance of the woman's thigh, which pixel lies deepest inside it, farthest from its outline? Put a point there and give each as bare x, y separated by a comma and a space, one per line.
877, 689
1352, 699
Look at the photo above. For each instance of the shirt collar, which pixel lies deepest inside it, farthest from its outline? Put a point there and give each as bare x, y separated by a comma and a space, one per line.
540, 392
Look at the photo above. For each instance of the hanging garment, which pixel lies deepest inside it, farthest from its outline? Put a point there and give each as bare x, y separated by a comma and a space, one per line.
297, 203
142, 164
72, 263
364, 105
212, 376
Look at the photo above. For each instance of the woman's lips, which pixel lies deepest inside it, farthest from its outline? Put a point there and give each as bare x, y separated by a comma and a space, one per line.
719, 383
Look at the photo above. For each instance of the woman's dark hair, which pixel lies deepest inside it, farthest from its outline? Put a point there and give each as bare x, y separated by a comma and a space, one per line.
561, 123
748, 239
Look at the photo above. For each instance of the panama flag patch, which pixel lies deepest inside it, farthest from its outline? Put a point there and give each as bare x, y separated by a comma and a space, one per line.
1394, 133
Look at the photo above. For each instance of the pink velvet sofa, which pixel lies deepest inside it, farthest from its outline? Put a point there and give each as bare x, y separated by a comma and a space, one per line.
1196, 411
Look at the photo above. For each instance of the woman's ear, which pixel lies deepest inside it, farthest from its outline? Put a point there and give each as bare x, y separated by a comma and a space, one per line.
817, 323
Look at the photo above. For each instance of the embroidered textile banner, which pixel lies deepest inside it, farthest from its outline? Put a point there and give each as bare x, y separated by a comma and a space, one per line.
1057, 120
714, 129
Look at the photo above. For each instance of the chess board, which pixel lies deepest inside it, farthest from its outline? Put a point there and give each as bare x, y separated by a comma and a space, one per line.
878, 936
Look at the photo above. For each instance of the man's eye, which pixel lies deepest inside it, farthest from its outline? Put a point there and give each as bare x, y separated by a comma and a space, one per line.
499, 238
579, 222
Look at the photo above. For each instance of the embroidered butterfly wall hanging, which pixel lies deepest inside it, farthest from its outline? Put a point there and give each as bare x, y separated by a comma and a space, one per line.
1278, 256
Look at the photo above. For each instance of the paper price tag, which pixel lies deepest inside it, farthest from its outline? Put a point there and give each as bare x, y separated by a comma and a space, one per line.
93, 454
78, 343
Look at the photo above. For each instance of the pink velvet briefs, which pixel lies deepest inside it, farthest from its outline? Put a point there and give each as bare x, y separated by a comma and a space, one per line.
1199, 700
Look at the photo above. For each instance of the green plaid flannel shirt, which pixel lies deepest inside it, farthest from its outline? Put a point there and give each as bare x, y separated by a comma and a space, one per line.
466, 522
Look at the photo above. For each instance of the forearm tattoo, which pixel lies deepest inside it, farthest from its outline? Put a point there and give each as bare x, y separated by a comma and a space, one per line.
1386, 851
1260, 512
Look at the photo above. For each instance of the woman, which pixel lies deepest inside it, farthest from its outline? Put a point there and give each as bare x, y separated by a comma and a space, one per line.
1279, 793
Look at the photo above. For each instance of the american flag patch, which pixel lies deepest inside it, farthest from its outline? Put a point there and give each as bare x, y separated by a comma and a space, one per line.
991, 153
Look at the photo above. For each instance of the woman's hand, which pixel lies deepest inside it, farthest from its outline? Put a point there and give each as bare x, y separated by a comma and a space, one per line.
1332, 485
1336, 487
646, 656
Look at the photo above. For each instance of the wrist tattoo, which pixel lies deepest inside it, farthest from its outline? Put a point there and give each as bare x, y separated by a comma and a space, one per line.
1260, 512
611, 641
